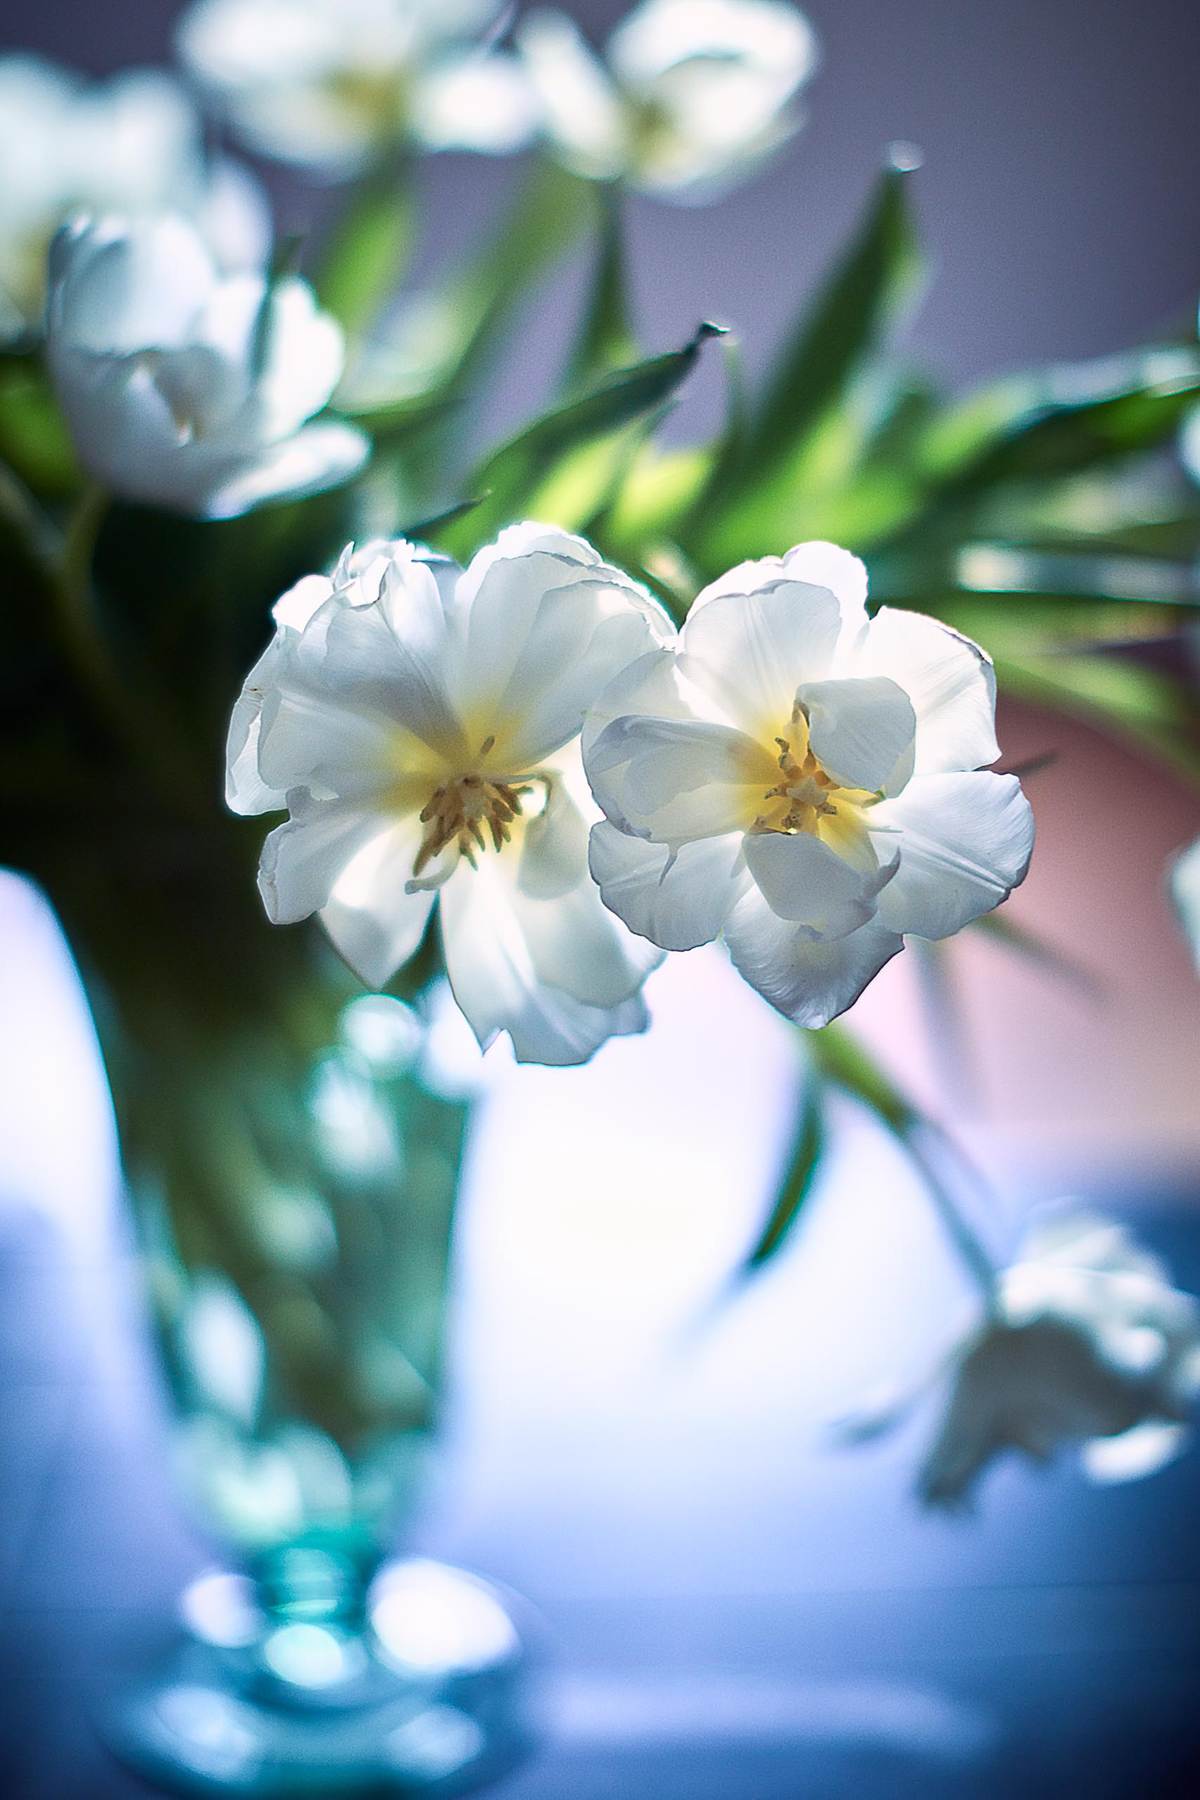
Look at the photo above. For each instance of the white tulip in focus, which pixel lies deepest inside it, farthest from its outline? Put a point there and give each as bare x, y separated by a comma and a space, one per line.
1089, 1345
691, 95
421, 725
131, 145
185, 388
333, 84
1184, 880
804, 779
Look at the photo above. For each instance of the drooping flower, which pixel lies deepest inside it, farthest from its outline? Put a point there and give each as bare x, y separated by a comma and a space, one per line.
804, 779
333, 84
131, 145
421, 724
1088, 1345
691, 96
185, 388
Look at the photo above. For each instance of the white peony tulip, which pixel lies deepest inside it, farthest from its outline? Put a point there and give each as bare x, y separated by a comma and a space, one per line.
692, 96
131, 145
185, 388
804, 779
333, 84
421, 724
1088, 1345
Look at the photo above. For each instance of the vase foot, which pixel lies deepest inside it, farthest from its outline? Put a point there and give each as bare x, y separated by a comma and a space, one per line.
426, 1698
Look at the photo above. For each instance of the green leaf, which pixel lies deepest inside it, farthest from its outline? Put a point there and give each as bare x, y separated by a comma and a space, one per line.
605, 340
1060, 421
812, 379
561, 466
804, 1159
34, 440
365, 256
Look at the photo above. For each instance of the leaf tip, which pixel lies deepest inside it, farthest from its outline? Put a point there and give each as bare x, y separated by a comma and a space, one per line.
903, 158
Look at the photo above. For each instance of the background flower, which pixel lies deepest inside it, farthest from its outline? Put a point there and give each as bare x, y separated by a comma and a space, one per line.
692, 95
335, 83
806, 780
421, 725
130, 145
1088, 1345
186, 388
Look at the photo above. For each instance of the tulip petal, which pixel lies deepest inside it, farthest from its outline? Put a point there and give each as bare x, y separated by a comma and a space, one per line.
318, 457
950, 681
677, 899
496, 983
861, 730
375, 923
303, 859
806, 882
751, 651
678, 779
965, 842
811, 983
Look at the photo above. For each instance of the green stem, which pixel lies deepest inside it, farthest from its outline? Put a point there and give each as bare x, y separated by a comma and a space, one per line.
844, 1063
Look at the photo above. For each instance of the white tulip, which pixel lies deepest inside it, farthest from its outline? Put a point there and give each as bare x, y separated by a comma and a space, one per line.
691, 96
1184, 878
1087, 1345
803, 779
333, 84
185, 388
131, 145
421, 724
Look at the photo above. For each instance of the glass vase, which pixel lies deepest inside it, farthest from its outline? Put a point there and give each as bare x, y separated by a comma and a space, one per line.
294, 1187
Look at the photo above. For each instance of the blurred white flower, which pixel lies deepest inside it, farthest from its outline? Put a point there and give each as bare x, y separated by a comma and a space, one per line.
421, 723
692, 96
131, 145
1184, 878
804, 779
333, 84
1088, 1345
185, 388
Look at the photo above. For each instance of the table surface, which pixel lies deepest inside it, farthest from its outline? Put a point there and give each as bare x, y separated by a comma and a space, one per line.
736, 1611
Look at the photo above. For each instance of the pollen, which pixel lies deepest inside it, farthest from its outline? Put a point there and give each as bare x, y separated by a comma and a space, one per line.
476, 810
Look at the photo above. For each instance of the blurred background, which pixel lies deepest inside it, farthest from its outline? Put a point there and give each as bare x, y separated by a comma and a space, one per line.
736, 1607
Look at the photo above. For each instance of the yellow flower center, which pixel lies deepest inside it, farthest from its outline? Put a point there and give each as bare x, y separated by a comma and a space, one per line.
807, 795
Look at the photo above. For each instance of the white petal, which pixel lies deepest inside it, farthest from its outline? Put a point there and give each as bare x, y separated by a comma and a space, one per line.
495, 982
388, 658
372, 918
582, 949
753, 650
965, 843
245, 790
303, 860
809, 982
475, 101
581, 112
553, 851
678, 779
677, 899
861, 730
120, 286
318, 457
294, 609
543, 637
950, 681
807, 883
1132, 1454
